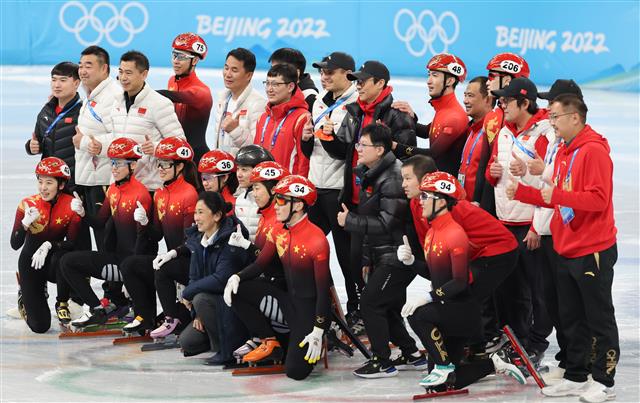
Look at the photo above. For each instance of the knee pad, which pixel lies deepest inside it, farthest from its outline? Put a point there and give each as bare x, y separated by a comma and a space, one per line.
110, 272
271, 309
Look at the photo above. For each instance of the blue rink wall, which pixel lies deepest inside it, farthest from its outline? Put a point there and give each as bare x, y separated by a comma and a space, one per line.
596, 43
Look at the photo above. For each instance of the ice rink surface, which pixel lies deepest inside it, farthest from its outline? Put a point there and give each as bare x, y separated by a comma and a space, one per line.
43, 368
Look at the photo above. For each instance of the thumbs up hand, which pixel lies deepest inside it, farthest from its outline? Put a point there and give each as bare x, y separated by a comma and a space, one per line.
512, 187
236, 239
327, 126
547, 191
342, 215
147, 146
31, 214
95, 147
229, 123
76, 205
536, 165
517, 167
405, 255
77, 138
140, 215
34, 144
307, 130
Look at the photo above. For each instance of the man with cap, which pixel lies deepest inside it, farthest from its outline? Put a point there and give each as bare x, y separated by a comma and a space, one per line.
373, 105
326, 172
525, 135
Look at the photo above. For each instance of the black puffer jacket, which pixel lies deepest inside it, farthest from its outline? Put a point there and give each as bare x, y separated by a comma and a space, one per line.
343, 145
59, 141
383, 215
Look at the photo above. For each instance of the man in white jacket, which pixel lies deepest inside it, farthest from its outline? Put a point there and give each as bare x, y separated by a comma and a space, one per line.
143, 114
239, 105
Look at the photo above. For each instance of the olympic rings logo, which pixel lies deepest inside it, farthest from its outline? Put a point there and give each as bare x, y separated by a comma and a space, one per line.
118, 19
428, 37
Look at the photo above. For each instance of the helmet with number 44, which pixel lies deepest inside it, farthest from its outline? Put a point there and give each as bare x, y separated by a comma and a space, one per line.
299, 187
442, 183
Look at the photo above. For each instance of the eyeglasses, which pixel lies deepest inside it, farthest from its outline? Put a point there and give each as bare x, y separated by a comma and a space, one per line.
210, 177
553, 117
181, 56
165, 164
361, 83
362, 145
115, 163
426, 196
274, 84
506, 100
283, 200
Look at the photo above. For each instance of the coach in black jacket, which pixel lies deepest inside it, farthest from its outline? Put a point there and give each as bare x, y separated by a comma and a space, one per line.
382, 219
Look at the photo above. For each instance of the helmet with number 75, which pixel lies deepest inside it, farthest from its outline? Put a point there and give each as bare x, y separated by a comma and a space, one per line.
216, 162
509, 63
299, 187
192, 43
174, 148
442, 183
450, 64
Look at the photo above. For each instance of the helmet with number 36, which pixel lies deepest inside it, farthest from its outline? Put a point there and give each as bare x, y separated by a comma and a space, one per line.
299, 187
216, 162
174, 148
443, 183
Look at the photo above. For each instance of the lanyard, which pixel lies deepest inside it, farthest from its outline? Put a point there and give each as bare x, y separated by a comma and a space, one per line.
275, 134
568, 177
522, 147
473, 146
93, 112
224, 112
60, 116
549, 157
332, 107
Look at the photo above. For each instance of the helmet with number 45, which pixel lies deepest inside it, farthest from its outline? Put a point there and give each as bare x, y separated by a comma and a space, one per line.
509, 63
299, 187
174, 148
268, 171
442, 183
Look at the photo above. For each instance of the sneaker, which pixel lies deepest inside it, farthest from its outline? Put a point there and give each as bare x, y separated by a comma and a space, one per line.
97, 317
410, 363
166, 328
245, 349
504, 367
565, 388
496, 343
376, 368
438, 376
597, 392
75, 310
553, 376
62, 310
270, 349
356, 324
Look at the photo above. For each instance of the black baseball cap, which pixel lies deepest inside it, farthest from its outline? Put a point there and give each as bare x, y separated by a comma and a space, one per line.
518, 87
561, 87
371, 68
336, 60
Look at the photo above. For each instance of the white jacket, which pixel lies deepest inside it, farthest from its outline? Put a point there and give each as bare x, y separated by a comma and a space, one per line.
247, 211
324, 171
513, 211
542, 215
91, 171
249, 106
153, 115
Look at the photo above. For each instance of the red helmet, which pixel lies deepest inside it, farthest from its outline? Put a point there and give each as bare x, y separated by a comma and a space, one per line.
192, 43
124, 148
53, 166
268, 171
216, 162
443, 183
509, 63
174, 148
299, 187
448, 63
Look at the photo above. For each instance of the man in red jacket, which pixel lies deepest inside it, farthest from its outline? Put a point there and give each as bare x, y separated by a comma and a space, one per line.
279, 129
584, 235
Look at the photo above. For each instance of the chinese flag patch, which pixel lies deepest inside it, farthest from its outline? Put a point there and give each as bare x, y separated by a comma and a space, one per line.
142, 111
243, 112
68, 120
447, 130
92, 103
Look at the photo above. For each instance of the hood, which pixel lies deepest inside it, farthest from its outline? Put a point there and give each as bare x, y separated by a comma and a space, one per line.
278, 112
587, 135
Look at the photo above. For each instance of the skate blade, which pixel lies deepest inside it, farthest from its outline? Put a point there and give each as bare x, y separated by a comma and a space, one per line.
451, 392
523, 356
259, 370
131, 339
81, 334
159, 346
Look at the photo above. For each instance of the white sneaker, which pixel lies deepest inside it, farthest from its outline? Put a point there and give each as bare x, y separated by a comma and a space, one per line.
14, 313
506, 368
554, 375
597, 392
75, 310
565, 388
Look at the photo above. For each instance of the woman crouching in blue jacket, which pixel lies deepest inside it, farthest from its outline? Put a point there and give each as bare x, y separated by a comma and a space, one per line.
215, 326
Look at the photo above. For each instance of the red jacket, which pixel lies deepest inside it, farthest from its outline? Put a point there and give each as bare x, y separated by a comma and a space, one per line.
487, 235
286, 147
447, 133
588, 191
475, 155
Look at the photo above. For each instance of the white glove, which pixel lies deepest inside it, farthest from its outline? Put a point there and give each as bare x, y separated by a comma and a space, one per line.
314, 339
231, 288
411, 305
238, 240
404, 252
76, 205
164, 258
38, 258
30, 215
140, 215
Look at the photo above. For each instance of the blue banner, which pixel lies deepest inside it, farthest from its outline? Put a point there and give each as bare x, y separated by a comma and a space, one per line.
594, 43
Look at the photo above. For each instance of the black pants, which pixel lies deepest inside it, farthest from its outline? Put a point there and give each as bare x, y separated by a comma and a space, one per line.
78, 265
298, 313
93, 197
172, 272
138, 275
195, 342
324, 214
587, 315
549, 265
520, 298
33, 284
380, 305
488, 273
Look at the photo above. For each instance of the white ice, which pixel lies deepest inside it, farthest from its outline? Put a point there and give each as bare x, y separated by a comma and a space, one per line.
43, 368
